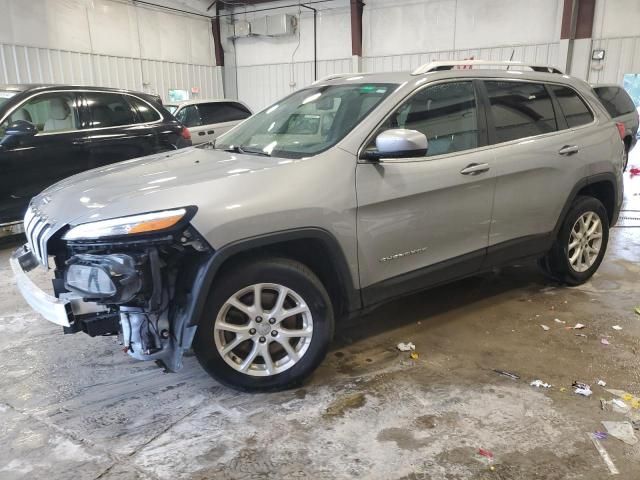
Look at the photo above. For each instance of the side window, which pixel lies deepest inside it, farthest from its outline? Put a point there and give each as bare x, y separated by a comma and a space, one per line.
49, 112
109, 110
145, 111
615, 100
520, 110
219, 112
575, 111
446, 113
189, 116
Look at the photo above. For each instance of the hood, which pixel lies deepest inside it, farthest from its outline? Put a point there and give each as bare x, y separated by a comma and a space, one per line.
169, 180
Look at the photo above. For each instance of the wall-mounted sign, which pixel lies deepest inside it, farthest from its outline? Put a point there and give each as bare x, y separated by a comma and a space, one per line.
176, 95
597, 55
195, 90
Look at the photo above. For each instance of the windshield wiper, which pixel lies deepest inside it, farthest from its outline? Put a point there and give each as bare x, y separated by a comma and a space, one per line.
246, 150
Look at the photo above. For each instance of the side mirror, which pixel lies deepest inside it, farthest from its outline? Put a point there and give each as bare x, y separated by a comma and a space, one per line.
401, 143
21, 128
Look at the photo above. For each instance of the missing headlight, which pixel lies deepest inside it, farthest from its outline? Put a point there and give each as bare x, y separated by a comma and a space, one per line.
114, 277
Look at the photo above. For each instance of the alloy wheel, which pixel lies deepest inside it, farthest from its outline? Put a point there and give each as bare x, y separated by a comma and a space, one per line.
263, 329
585, 242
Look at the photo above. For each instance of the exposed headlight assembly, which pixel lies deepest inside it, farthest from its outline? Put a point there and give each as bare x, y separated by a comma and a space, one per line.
143, 223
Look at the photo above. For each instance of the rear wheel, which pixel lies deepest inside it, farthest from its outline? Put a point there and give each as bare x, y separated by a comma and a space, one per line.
581, 243
267, 325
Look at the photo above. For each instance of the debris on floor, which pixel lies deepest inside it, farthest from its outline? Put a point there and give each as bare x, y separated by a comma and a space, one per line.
581, 335
578, 326
406, 347
604, 341
545, 328
622, 431
603, 453
637, 310
582, 389
557, 320
617, 327
616, 405
631, 400
540, 383
600, 435
414, 355
602, 383
513, 376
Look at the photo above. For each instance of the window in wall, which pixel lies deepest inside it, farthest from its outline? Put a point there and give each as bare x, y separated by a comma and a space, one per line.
520, 110
574, 109
446, 113
109, 110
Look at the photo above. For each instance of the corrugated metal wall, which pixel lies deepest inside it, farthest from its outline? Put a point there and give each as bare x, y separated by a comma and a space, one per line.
622, 55
261, 85
21, 64
544, 54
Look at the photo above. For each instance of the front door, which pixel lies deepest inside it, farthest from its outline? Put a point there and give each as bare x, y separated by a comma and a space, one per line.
426, 220
30, 164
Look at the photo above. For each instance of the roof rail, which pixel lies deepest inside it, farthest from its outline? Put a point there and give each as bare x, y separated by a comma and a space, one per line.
451, 64
334, 76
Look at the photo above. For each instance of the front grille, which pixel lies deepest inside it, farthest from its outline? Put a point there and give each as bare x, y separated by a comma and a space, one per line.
37, 230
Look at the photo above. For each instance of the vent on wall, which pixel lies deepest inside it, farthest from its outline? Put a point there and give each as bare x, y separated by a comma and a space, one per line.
270, 26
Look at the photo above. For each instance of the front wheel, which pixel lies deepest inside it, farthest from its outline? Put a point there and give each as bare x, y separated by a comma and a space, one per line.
266, 326
581, 243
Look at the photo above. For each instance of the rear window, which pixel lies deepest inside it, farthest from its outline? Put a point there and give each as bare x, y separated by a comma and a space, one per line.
219, 112
145, 111
520, 110
615, 100
109, 110
573, 107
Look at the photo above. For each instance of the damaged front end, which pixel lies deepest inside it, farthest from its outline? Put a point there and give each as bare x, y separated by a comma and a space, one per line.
133, 277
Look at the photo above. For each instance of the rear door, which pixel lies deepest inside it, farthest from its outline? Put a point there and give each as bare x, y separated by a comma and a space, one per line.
541, 142
426, 220
189, 116
30, 164
115, 131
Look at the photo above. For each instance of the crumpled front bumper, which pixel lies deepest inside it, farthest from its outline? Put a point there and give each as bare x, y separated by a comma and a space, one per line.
60, 311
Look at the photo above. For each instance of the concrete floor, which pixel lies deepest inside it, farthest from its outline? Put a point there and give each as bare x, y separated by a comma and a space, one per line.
76, 407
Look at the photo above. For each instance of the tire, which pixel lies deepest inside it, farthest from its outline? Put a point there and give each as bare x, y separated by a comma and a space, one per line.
625, 155
558, 263
231, 305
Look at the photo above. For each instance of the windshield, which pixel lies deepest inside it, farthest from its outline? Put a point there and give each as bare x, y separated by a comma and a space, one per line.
5, 96
307, 122
172, 108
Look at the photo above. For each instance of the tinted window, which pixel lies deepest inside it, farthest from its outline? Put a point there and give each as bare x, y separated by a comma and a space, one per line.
218, 112
109, 110
615, 100
520, 110
445, 113
49, 112
189, 116
145, 111
575, 111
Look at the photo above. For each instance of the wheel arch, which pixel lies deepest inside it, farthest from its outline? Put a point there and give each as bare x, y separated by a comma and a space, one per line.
315, 247
601, 186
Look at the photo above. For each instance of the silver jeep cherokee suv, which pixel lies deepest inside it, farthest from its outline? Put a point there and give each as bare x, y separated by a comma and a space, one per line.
343, 195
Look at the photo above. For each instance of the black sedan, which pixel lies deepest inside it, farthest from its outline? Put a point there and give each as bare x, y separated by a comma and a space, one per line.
49, 132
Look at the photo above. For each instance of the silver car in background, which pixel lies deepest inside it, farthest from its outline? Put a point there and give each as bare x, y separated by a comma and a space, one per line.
208, 119
350, 192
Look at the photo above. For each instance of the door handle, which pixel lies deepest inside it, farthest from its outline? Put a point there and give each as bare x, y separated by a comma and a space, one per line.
569, 150
201, 133
211, 132
80, 141
475, 169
